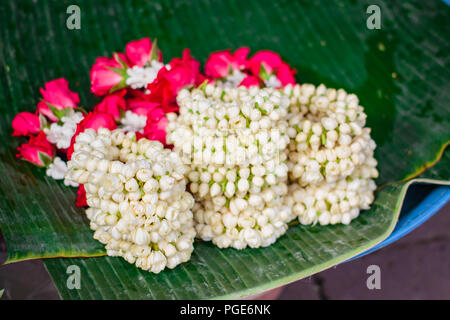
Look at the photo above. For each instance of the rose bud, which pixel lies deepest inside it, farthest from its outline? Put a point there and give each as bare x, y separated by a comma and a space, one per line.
141, 52
56, 97
250, 81
108, 75
180, 73
222, 63
37, 150
141, 106
26, 124
113, 104
269, 67
155, 128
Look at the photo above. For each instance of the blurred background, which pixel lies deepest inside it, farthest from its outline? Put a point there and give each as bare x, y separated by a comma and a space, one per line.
415, 267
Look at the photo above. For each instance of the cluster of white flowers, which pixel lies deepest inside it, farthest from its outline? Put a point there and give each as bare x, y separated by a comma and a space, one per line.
57, 170
133, 122
330, 160
139, 77
233, 143
232, 80
328, 138
272, 82
136, 193
61, 133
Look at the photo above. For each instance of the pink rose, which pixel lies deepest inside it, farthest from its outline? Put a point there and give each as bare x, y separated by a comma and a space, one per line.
112, 104
266, 63
139, 52
26, 124
42, 108
37, 150
93, 120
220, 64
250, 81
108, 75
180, 73
268, 59
141, 106
285, 74
57, 95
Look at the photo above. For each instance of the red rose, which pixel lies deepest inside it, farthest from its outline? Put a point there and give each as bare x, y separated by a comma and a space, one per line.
139, 52
202, 78
93, 120
96, 120
81, 197
136, 93
250, 81
162, 93
155, 128
37, 150
141, 106
57, 95
112, 104
266, 63
179, 74
220, 64
26, 124
108, 75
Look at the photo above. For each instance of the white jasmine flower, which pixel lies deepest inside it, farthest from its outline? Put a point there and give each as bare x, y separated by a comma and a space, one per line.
139, 77
232, 80
133, 122
57, 170
61, 134
272, 82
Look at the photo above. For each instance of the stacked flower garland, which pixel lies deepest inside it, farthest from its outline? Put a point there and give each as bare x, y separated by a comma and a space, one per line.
253, 148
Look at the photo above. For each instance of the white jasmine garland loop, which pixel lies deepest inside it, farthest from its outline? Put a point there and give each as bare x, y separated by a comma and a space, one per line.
233, 141
136, 192
328, 138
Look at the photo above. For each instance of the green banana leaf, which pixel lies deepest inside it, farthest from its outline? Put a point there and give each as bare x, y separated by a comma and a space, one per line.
214, 273
441, 170
400, 73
